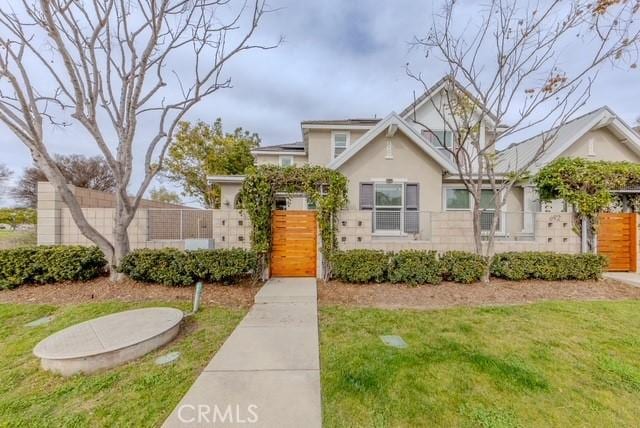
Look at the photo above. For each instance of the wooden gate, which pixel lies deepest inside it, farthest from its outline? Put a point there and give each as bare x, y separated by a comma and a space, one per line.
617, 239
294, 243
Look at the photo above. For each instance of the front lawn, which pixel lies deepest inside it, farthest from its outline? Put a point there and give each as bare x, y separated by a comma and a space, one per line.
548, 364
137, 394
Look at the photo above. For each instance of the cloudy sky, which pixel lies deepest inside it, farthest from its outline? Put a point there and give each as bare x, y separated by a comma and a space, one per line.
340, 59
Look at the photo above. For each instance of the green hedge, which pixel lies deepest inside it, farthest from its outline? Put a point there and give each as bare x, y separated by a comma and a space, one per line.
415, 267
461, 266
170, 266
548, 266
48, 264
360, 266
425, 267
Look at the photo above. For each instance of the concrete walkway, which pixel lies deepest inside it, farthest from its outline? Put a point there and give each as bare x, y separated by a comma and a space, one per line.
267, 373
629, 278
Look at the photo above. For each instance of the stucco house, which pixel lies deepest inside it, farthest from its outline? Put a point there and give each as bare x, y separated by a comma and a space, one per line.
394, 167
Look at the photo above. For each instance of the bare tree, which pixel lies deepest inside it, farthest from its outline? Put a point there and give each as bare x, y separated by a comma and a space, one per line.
127, 71
5, 174
513, 68
80, 171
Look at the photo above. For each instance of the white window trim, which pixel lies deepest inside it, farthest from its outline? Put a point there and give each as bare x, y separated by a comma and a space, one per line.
333, 142
499, 232
282, 157
400, 232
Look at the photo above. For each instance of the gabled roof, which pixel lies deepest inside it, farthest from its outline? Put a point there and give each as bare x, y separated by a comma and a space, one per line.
519, 154
382, 126
297, 147
437, 87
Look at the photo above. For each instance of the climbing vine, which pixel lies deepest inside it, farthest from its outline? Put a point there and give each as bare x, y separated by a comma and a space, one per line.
324, 187
588, 185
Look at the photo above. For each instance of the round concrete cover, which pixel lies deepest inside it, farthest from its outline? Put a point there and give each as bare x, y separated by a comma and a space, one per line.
108, 333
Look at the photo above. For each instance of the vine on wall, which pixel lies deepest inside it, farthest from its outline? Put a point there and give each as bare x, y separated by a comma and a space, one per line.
324, 187
588, 185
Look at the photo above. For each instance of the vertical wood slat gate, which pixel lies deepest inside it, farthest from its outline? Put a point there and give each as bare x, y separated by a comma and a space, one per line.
617, 239
294, 243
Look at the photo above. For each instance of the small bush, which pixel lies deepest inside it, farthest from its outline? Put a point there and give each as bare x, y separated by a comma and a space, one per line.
461, 266
166, 266
548, 266
360, 266
415, 267
48, 264
222, 265
170, 266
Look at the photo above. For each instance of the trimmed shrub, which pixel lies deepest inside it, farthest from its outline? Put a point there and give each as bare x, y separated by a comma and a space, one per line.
170, 266
48, 264
166, 266
360, 266
224, 265
548, 266
461, 266
415, 267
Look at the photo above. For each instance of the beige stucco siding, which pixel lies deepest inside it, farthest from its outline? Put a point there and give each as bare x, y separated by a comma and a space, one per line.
275, 160
606, 146
409, 163
319, 141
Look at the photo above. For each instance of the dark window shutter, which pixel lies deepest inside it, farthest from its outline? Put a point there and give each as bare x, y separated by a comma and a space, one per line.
366, 196
411, 198
411, 205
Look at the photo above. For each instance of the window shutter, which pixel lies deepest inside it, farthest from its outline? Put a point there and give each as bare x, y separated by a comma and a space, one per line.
411, 206
366, 196
411, 197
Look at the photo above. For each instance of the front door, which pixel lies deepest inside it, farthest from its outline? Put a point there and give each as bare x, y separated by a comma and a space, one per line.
617, 234
294, 243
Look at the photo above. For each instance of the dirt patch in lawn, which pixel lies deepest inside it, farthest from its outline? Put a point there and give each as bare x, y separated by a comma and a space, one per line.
236, 296
449, 294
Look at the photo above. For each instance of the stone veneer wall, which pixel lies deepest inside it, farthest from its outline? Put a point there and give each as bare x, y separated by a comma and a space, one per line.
453, 230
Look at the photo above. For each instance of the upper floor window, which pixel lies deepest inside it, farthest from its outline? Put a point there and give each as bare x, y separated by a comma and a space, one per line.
439, 139
339, 142
285, 160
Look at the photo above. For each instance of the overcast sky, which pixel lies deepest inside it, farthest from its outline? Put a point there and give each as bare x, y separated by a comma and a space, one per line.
340, 59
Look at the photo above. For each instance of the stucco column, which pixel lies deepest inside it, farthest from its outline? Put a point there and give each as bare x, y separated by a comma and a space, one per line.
49, 210
530, 206
228, 194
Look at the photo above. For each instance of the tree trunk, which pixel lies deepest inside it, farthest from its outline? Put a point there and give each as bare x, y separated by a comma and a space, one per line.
121, 245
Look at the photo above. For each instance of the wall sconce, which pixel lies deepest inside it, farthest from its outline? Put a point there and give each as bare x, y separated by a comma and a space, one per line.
226, 203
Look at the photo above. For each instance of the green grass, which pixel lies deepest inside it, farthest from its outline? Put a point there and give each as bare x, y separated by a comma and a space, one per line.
550, 364
137, 394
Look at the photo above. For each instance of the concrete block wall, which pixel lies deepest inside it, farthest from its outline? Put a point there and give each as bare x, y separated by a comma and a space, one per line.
453, 230
229, 228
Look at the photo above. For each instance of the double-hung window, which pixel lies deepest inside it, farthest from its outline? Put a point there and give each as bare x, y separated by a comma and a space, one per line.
459, 199
395, 206
439, 139
339, 142
388, 206
488, 207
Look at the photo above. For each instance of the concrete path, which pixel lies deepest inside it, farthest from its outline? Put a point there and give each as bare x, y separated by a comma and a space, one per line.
629, 278
267, 373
